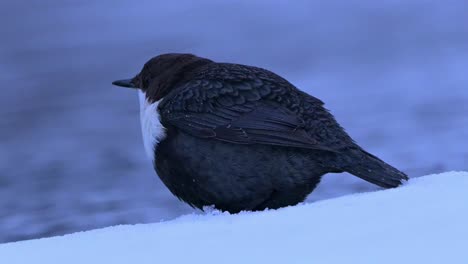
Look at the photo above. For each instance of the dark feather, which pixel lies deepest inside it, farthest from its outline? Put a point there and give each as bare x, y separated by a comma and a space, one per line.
249, 105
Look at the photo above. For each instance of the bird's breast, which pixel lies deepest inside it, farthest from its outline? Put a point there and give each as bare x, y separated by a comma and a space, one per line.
152, 129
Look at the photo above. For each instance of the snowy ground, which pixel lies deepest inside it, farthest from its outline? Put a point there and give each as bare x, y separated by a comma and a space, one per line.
424, 221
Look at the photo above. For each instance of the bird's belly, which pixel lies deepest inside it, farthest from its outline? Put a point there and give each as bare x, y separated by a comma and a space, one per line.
152, 129
230, 176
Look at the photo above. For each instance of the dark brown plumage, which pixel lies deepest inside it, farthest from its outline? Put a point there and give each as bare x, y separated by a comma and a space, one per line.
243, 138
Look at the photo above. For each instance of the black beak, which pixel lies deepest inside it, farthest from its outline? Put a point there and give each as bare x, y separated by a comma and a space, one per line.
125, 83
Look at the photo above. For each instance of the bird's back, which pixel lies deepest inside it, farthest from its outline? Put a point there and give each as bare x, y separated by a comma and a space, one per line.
222, 85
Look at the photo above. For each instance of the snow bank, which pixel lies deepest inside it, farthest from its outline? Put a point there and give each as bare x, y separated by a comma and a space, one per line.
425, 221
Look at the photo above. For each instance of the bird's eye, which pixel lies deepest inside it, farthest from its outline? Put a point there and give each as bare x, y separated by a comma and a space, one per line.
144, 82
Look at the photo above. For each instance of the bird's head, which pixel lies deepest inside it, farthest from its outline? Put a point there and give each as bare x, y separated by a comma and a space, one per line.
161, 73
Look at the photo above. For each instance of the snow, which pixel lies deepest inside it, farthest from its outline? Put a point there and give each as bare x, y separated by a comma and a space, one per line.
424, 221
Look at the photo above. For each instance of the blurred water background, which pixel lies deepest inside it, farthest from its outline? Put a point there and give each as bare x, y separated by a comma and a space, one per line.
394, 73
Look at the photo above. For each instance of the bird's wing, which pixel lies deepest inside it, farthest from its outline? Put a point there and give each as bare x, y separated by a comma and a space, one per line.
243, 109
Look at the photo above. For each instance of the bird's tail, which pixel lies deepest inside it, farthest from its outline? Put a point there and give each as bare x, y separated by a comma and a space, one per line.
372, 169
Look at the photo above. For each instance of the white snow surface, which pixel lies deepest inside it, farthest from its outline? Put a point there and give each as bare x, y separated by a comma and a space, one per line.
424, 221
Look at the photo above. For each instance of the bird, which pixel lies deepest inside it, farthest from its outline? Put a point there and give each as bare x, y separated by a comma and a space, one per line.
242, 138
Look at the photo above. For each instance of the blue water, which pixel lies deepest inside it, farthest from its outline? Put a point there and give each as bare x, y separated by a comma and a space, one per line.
71, 155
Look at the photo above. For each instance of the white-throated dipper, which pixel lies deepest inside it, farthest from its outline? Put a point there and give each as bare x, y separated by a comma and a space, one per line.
240, 137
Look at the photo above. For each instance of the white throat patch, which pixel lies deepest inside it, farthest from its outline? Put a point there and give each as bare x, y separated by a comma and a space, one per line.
151, 127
